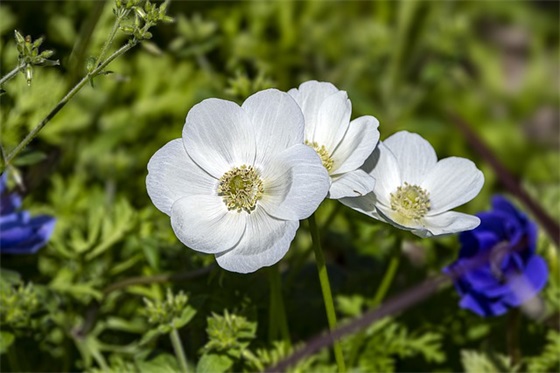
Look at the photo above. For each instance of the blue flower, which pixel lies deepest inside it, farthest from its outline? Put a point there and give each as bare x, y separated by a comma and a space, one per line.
19, 232
508, 272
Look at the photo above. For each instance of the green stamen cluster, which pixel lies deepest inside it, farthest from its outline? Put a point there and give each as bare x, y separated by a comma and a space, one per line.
410, 201
241, 188
323, 153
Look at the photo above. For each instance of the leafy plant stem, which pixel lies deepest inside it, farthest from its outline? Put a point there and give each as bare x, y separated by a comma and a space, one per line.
11, 74
35, 131
178, 348
277, 313
387, 280
326, 290
111, 37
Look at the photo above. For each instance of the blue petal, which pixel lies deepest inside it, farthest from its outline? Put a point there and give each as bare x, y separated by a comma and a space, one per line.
525, 286
29, 238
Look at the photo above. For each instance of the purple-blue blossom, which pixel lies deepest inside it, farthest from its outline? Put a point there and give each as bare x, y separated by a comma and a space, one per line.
20, 233
510, 272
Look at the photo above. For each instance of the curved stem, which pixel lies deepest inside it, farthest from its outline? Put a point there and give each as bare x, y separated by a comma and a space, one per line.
326, 290
11, 74
387, 280
179, 352
31, 135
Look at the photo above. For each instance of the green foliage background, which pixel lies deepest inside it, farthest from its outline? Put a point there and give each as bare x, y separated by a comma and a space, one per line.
409, 63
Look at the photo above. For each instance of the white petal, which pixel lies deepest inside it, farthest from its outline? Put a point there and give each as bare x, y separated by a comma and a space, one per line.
452, 182
310, 95
265, 242
415, 156
295, 183
204, 224
332, 121
218, 136
365, 204
172, 174
447, 223
351, 184
276, 123
385, 172
357, 144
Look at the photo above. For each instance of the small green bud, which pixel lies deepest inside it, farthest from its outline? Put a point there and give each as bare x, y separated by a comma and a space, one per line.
140, 12
90, 64
19, 37
37, 43
129, 30
147, 35
29, 74
46, 54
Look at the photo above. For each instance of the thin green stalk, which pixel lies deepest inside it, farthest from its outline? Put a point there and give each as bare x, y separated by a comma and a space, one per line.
326, 290
278, 320
11, 74
111, 37
178, 348
387, 280
31, 135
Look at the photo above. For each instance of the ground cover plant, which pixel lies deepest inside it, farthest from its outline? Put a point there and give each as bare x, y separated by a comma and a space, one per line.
279, 186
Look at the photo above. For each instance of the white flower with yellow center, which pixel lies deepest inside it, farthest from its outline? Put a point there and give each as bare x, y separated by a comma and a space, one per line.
240, 179
414, 191
343, 145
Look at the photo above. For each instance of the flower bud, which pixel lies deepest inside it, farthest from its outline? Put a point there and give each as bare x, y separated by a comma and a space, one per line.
19, 37
29, 74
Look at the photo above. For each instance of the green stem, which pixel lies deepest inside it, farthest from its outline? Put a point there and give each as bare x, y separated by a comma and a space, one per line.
387, 280
326, 290
278, 319
178, 348
11, 74
31, 135
111, 37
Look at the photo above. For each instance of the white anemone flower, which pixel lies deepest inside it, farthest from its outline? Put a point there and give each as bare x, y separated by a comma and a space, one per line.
239, 180
343, 145
414, 191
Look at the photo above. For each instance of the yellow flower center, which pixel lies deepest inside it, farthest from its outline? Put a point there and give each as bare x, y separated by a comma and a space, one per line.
241, 188
323, 153
410, 202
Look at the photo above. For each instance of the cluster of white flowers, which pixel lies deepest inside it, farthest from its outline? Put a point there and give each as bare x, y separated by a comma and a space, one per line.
241, 177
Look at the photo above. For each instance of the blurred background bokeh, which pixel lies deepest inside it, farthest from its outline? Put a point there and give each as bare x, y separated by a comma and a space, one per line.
411, 64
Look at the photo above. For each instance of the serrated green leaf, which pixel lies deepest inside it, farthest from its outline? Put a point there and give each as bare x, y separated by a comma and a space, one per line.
213, 363
186, 316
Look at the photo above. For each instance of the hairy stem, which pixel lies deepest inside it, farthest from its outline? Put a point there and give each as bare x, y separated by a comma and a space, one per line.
111, 37
326, 290
35, 131
11, 74
178, 348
